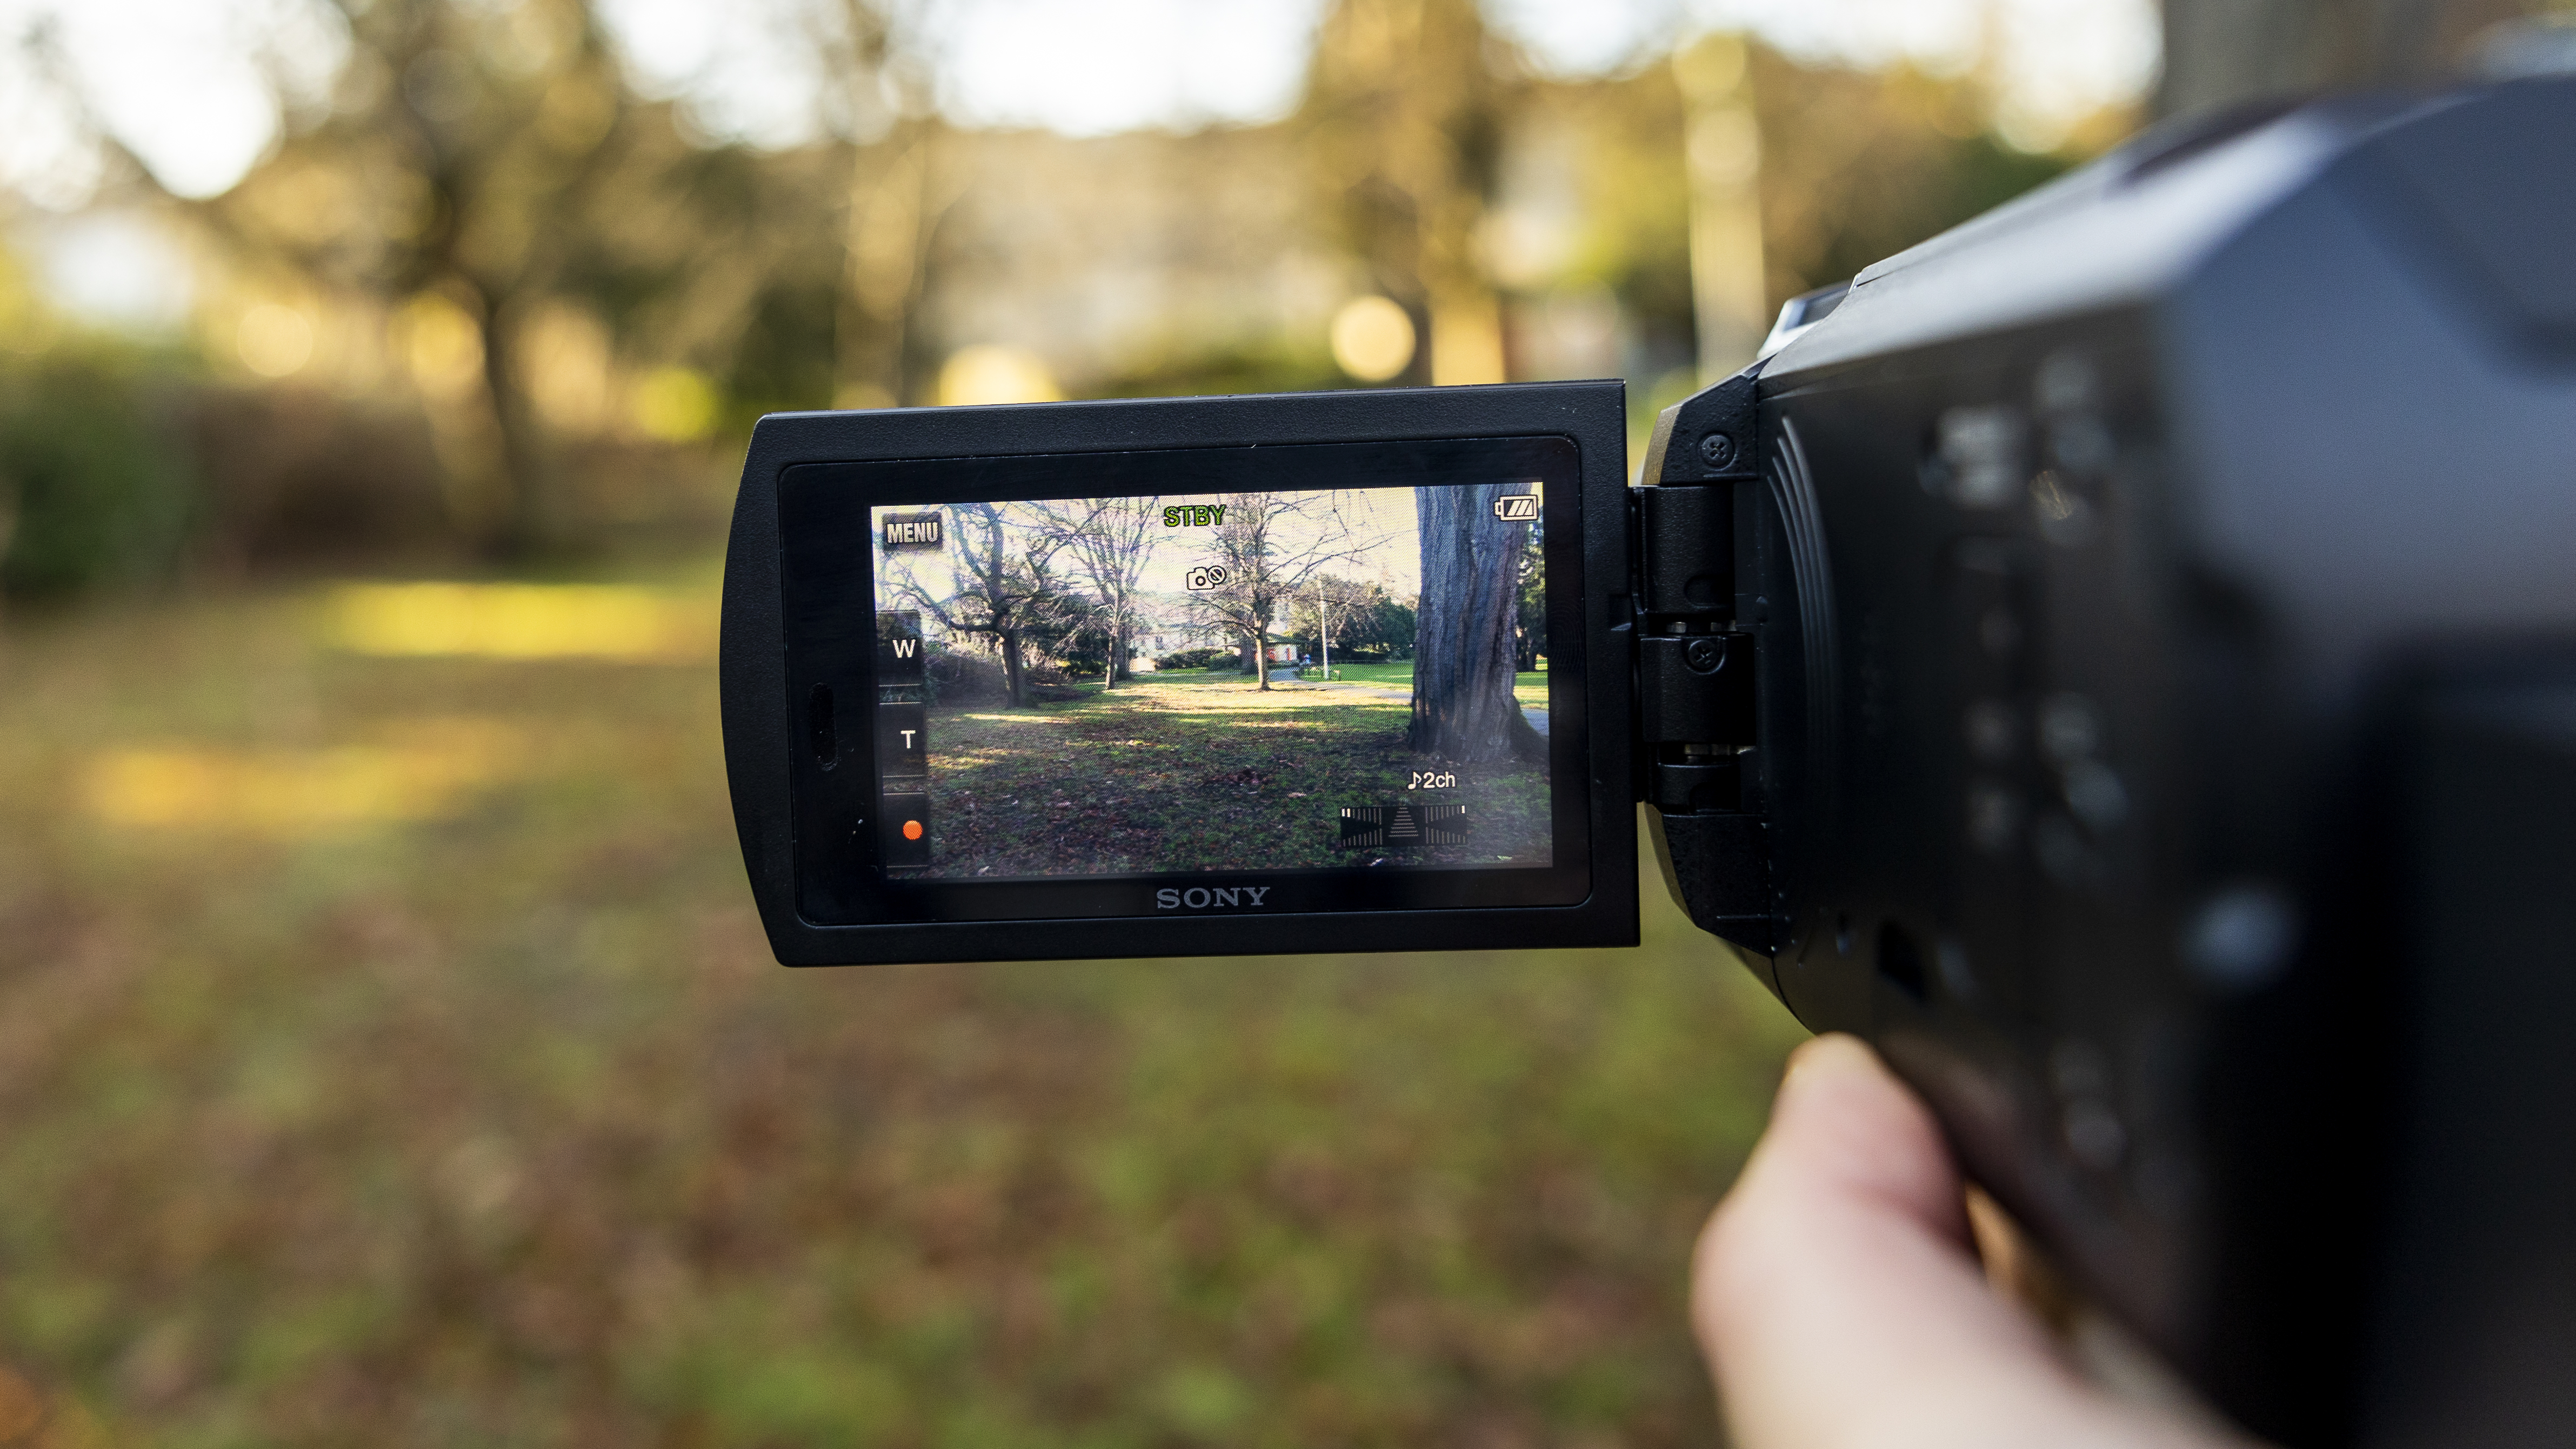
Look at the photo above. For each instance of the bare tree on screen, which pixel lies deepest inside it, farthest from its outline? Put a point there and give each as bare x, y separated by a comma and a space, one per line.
1269, 545
1333, 612
1463, 708
1110, 540
1004, 583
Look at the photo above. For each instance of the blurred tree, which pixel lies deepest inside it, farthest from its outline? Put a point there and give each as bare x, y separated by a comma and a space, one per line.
486, 181
1723, 149
892, 145
1854, 164
94, 485
1858, 165
448, 184
2225, 52
94, 488
1403, 122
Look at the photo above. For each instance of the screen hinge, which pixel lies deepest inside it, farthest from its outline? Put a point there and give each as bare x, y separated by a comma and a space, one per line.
1696, 667
1694, 670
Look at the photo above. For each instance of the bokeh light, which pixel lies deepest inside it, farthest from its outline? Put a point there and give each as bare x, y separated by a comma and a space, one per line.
274, 341
1372, 338
423, 771
990, 373
520, 621
676, 405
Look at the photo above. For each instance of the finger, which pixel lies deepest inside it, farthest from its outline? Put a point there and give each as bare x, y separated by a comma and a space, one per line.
1838, 1301
1844, 1128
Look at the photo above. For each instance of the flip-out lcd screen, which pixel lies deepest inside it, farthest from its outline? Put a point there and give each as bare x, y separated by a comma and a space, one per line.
1229, 682
1285, 679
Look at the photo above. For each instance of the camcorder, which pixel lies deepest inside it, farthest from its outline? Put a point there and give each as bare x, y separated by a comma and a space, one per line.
2118, 657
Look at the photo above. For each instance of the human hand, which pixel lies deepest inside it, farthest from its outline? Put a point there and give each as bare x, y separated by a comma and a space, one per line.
1840, 1303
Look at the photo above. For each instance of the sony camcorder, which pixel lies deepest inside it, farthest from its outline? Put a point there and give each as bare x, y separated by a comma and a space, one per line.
2118, 656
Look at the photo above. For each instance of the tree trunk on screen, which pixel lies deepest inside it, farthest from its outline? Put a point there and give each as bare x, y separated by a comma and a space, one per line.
1011, 669
1463, 708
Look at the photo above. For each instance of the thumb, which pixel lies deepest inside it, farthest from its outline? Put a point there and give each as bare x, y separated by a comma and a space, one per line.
1839, 1303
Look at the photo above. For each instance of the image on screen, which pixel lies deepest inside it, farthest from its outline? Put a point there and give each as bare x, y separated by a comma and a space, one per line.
1321, 679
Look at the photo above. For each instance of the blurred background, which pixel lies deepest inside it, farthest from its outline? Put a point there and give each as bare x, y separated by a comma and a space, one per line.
388, 1051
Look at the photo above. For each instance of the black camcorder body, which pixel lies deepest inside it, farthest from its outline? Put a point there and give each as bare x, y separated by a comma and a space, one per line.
2119, 657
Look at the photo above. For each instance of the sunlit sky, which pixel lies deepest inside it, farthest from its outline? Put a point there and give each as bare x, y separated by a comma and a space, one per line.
187, 84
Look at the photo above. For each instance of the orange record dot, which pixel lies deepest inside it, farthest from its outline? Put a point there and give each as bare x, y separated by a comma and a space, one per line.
912, 830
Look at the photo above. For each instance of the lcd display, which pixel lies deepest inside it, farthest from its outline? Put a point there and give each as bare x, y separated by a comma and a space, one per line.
1218, 682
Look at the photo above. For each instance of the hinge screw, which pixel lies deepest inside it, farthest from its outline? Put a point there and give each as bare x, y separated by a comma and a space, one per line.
1704, 654
1717, 450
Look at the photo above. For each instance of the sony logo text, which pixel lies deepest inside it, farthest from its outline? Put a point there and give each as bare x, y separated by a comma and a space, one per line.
1200, 898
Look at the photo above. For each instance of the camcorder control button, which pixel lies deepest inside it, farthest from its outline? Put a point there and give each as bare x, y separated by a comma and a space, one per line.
2070, 729
903, 832
1995, 812
903, 742
2095, 794
898, 649
1993, 731
2242, 937
1977, 458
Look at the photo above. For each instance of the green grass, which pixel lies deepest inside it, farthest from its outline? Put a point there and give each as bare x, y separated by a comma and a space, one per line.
1187, 774
389, 1054
1396, 674
1529, 687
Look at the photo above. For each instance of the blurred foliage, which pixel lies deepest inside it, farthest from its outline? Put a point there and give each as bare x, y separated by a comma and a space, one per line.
1402, 130
1180, 369
1632, 208
480, 168
485, 1118
1859, 165
95, 481
486, 182
560, 304
388, 1052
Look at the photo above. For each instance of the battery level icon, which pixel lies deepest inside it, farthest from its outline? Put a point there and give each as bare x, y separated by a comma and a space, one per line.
1517, 508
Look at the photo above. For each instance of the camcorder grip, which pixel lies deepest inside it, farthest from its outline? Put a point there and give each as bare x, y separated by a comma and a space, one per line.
2118, 657
2164, 689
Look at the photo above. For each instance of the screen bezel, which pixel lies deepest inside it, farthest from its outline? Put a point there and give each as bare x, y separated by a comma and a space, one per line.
829, 562
764, 626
